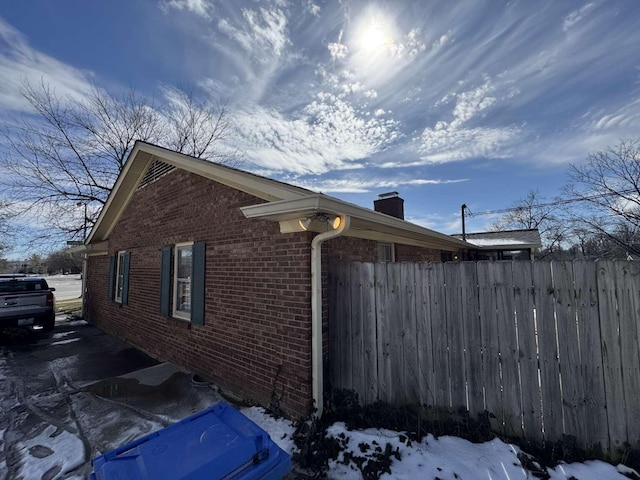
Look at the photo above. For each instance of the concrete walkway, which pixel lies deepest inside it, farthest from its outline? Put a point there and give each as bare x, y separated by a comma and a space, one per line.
77, 393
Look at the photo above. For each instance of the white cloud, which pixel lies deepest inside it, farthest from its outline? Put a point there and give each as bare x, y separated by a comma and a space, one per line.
329, 134
577, 15
337, 50
199, 7
19, 62
456, 140
263, 34
361, 185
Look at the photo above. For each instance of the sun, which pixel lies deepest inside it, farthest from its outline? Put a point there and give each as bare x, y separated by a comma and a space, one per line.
373, 33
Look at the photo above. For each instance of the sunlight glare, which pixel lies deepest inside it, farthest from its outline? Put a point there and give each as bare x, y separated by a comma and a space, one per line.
374, 34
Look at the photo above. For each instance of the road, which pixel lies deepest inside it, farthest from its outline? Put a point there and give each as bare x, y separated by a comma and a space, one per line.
67, 286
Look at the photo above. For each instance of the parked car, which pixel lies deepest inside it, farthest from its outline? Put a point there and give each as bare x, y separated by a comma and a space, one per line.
26, 302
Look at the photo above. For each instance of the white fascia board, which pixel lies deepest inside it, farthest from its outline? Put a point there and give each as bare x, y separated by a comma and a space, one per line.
287, 210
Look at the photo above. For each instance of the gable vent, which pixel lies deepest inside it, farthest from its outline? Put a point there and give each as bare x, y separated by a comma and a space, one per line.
155, 171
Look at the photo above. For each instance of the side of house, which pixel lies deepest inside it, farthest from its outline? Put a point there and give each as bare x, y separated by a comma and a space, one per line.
253, 333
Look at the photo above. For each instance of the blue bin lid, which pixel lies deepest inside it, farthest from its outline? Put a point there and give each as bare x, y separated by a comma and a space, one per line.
217, 443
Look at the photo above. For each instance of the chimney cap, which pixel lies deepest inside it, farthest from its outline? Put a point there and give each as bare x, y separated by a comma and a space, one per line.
388, 195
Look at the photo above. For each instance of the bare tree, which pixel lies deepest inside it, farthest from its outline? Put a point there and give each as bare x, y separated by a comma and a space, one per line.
607, 187
63, 160
533, 212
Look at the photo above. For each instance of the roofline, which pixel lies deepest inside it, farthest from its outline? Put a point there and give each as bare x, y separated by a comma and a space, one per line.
143, 154
362, 219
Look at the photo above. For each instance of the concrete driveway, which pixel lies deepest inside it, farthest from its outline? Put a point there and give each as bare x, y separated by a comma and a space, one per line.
77, 393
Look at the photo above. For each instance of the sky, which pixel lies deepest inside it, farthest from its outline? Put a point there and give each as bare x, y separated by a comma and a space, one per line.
475, 102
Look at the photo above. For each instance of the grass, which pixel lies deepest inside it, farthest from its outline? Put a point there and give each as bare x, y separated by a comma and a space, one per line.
69, 307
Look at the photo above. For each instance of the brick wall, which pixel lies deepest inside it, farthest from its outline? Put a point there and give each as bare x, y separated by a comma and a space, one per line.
257, 331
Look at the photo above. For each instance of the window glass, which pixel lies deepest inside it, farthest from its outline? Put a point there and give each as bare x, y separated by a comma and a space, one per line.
182, 283
119, 277
385, 252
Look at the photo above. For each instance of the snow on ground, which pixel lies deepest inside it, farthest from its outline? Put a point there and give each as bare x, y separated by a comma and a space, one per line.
53, 452
446, 458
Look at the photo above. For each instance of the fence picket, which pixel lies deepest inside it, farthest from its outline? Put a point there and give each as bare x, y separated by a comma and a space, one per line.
611, 356
440, 335
528, 352
472, 338
455, 329
508, 340
356, 354
491, 348
382, 330
370, 394
409, 335
591, 370
425, 338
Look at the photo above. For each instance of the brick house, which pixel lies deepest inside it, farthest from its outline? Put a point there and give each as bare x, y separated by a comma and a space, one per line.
220, 271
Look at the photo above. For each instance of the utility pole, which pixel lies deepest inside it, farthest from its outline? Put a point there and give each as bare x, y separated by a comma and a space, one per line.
464, 233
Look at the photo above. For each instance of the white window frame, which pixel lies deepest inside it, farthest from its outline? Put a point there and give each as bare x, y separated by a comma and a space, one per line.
178, 313
119, 286
392, 249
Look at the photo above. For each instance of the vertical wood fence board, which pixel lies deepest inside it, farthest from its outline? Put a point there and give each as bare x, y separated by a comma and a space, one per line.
356, 354
456, 335
335, 324
626, 280
569, 349
440, 336
490, 344
345, 330
549, 367
409, 334
425, 339
369, 334
394, 322
472, 337
611, 356
382, 327
529, 387
509, 355
595, 413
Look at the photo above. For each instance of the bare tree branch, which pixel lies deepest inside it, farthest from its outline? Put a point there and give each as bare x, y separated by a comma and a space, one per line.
69, 152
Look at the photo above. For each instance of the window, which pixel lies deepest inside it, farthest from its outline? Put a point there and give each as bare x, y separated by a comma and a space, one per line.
182, 282
119, 277
182, 273
386, 252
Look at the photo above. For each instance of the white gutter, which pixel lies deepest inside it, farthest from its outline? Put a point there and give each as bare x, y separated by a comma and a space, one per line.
317, 379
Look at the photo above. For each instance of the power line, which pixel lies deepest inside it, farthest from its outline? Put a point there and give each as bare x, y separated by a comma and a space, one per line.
549, 204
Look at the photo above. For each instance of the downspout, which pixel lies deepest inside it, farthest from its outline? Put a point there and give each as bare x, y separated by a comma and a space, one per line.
317, 380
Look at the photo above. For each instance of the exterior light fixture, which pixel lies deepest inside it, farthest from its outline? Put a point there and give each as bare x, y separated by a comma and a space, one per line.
305, 222
330, 220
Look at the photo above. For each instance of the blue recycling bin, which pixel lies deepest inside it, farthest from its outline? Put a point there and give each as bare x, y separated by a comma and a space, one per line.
216, 443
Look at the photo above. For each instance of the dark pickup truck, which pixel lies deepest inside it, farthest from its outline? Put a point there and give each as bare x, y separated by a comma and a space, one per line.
26, 302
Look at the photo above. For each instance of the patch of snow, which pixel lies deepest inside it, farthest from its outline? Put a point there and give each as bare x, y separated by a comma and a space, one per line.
65, 342
52, 450
63, 334
590, 470
280, 430
490, 242
154, 375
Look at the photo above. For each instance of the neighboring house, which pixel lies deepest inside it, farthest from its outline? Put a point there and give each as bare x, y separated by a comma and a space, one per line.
219, 270
505, 244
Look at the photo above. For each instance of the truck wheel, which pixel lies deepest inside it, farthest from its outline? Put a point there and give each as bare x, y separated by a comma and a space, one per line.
49, 323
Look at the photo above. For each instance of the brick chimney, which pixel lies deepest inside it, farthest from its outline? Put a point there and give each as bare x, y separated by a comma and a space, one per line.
391, 204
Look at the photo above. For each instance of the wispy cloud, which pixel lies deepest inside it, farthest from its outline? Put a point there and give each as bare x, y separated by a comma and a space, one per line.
199, 7
19, 62
362, 184
455, 140
262, 33
577, 15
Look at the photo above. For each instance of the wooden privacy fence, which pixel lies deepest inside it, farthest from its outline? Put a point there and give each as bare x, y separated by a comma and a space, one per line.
549, 348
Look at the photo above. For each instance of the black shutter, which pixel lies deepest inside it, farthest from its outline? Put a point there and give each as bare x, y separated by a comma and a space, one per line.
165, 282
197, 283
125, 278
112, 275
